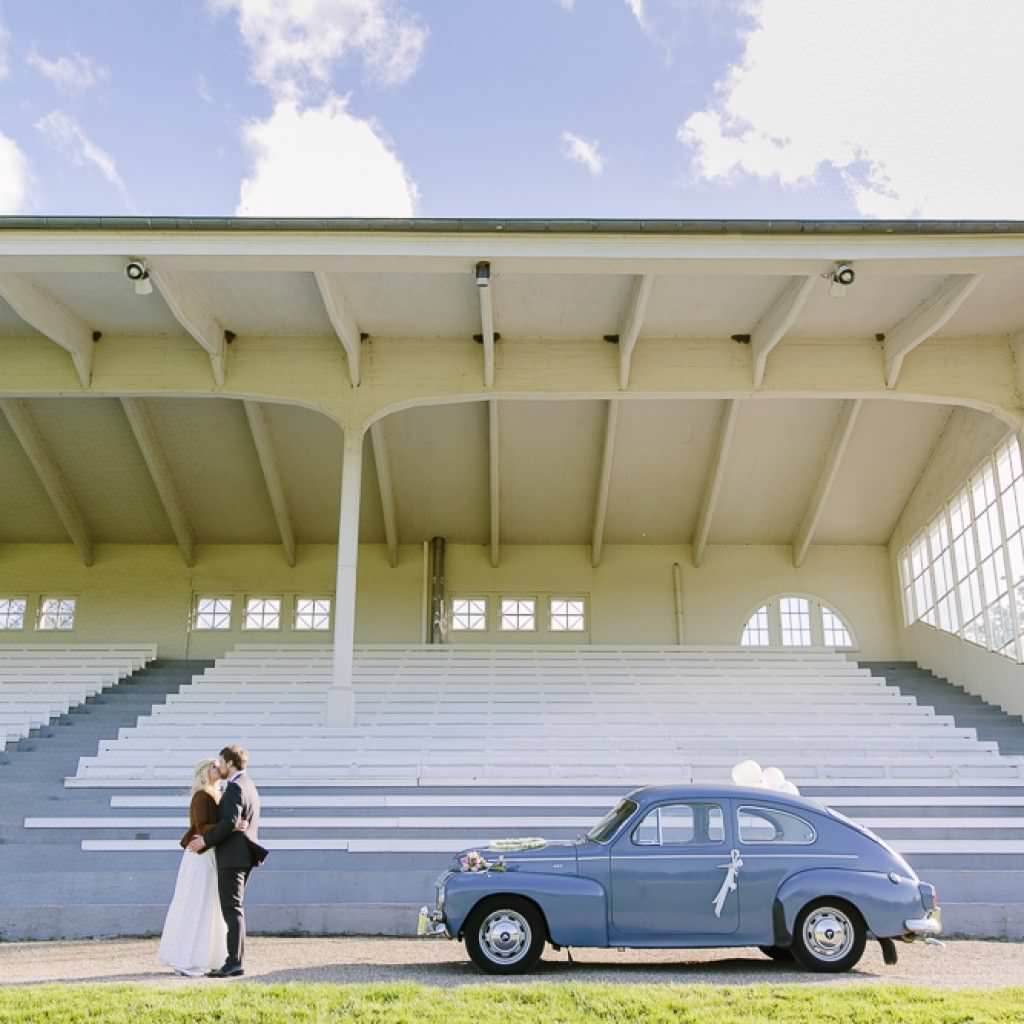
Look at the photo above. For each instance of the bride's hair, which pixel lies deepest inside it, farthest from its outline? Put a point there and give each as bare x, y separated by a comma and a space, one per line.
201, 780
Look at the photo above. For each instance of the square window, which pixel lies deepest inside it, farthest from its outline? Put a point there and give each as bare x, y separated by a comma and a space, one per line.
568, 615
12, 612
213, 613
56, 613
796, 622
518, 614
469, 614
262, 613
313, 613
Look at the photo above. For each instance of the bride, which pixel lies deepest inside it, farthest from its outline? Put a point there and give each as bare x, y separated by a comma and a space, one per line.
194, 938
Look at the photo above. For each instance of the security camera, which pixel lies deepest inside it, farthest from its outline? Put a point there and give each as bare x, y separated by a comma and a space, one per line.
136, 272
844, 274
483, 274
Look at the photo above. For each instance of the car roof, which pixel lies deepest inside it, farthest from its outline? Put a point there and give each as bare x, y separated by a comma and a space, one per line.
722, 791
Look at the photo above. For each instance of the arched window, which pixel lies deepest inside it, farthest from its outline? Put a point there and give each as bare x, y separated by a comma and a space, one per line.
793, 620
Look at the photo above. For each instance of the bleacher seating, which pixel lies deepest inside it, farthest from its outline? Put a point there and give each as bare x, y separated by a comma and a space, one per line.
39, 682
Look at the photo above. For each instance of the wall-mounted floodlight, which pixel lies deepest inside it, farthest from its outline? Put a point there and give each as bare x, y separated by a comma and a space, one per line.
483, 274
842, 276
136, 272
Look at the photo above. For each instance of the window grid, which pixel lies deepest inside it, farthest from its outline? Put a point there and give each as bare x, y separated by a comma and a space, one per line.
56, 613
796, 622
12, 612
567, 615
984, 523
469, 614
213, 613
262, 613
755, 632
834, 633
518, 614
312, 613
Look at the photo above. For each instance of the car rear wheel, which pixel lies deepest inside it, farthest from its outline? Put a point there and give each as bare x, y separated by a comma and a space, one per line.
781, 953
505, 935
829, 936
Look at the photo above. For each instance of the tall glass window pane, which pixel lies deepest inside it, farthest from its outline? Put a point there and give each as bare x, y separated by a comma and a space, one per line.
755, 632
833, 631
795, 614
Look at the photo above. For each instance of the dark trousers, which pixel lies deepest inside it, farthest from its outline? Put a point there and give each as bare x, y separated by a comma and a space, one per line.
231, 888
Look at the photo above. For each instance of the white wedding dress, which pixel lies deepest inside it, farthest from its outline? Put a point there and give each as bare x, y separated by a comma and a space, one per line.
195, 937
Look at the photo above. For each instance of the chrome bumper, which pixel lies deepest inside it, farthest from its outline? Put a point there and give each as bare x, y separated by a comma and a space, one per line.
929, 925
430, 923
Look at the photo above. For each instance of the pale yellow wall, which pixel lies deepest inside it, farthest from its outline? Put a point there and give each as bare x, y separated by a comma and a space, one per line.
142, 593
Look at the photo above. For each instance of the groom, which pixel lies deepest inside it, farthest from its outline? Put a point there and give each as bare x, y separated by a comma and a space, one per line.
238, 852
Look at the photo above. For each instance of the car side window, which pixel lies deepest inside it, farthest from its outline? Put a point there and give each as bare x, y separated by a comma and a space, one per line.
680, 824
768, 825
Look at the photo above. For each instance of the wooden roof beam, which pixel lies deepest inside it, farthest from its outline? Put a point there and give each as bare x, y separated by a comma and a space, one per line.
484, 286
604, 484
716, 474
257, 417
49, 317
339, 312
160, 471
632, 322
387, 491
779, 318
189, 309
929, 317
50, 475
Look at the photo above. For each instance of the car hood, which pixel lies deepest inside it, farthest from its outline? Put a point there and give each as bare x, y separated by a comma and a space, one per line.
555, 856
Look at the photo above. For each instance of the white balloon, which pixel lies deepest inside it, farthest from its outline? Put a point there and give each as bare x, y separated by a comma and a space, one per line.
788, 787
747, 773
773, 778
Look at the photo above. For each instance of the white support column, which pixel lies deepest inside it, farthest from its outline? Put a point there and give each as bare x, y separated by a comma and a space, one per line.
604, 486
387, 491
924, 321
779, 318
340, 699
631, 324
709, 502
50, 475
833, 460
339, 312
52, 319
160, 471
494, 480
189, 309
257, 418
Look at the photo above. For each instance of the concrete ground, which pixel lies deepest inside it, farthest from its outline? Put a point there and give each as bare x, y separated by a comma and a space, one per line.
960, 964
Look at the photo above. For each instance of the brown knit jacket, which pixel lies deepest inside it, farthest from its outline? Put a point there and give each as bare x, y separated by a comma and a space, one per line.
202, 816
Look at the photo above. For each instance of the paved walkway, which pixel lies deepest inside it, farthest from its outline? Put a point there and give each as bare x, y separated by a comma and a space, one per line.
440, 962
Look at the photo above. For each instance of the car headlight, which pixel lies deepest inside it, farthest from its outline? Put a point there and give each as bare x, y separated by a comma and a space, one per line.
440, 896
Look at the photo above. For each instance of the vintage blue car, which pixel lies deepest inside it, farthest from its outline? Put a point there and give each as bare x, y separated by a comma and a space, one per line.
685, 867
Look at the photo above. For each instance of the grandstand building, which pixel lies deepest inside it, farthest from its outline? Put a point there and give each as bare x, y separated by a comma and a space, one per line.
465, 527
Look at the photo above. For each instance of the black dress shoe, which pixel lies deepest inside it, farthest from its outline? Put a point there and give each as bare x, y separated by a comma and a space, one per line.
227, 971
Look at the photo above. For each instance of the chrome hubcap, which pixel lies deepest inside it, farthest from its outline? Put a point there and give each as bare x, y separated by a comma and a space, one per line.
505, 937
828, 934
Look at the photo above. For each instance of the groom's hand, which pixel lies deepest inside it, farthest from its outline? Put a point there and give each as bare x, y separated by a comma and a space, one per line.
197, 845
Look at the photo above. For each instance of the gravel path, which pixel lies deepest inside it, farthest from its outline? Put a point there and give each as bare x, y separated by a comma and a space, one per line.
440, 962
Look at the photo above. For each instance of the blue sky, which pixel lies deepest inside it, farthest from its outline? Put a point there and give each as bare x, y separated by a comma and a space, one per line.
598, 108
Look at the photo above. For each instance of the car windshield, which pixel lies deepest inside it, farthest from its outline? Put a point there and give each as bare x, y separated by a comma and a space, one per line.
609, 824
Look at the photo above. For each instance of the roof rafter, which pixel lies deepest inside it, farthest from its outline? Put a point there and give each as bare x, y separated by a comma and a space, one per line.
146, 437
50, 474
339, 312
833, 460
484, 284
494, 479
387, 492
929, 317
188, 308
716, 474
779, 318
257, 417
51, 318
632, 322
604, 484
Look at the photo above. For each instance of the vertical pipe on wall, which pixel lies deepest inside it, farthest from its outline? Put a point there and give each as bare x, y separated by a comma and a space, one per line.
425, 596
677, 587
437, 596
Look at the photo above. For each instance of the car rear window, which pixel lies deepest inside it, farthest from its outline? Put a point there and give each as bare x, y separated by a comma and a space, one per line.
769, 825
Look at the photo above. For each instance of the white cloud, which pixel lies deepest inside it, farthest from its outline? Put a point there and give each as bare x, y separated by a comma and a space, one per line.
583, 151
70, 74
567, 5
322, 161
203, 88
14, 176
637, 7
67, 135
295, 42
916, 103
4, 39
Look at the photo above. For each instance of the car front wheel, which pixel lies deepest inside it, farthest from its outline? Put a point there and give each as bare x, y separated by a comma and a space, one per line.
829, 936
505, 935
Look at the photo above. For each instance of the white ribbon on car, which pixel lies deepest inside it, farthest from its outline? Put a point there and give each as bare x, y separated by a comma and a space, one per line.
729, 883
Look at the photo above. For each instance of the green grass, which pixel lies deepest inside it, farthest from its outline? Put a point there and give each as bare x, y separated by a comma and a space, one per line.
518, 1004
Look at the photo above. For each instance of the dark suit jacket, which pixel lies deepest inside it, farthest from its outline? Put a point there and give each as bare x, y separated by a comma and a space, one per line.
237, 850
